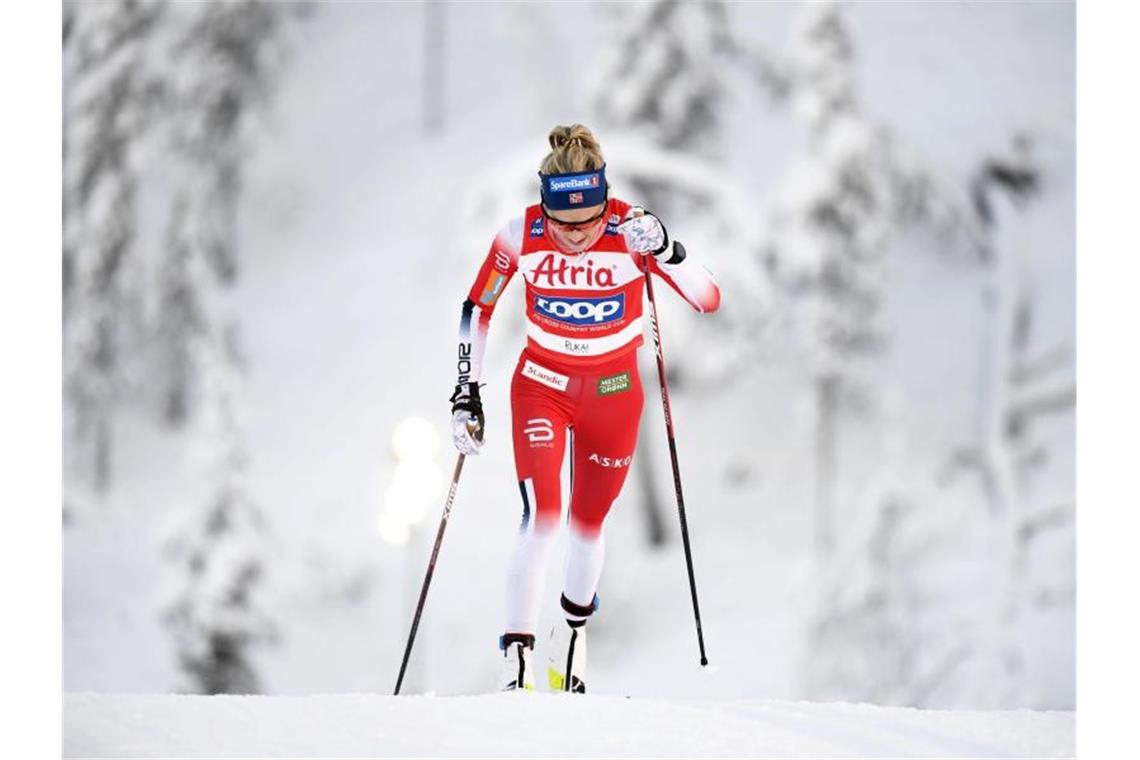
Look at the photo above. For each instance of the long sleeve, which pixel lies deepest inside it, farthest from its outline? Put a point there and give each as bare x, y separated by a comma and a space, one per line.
691, 281
498, 267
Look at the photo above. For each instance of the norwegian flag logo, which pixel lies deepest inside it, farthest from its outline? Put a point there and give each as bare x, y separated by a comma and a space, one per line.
575, 197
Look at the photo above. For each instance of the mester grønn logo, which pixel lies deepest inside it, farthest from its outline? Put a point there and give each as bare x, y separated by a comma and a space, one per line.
614, 384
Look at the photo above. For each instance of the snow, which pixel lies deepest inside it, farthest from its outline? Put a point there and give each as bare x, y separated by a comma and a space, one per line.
543, 725
345, 248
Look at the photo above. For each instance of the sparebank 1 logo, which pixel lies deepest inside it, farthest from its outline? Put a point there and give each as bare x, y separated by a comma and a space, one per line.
581, 311
575, 182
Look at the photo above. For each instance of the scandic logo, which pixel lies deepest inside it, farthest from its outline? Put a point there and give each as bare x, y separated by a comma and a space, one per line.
545, 376
577, 182
581, 311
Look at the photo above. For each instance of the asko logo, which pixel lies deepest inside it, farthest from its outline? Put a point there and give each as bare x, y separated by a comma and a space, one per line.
561, 274
615, 462
582, 311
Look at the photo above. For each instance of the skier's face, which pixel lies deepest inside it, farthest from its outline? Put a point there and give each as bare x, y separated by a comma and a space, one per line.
575, 230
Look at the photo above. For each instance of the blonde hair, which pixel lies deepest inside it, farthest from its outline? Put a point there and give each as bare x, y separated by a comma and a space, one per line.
572, 149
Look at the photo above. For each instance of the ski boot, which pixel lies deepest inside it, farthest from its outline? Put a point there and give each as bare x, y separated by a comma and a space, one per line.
516, 670
566, 665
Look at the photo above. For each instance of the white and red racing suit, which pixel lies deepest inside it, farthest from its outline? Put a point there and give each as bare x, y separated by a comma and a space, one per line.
578, 371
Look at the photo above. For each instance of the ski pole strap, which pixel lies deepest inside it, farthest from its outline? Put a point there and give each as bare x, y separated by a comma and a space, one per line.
466, 397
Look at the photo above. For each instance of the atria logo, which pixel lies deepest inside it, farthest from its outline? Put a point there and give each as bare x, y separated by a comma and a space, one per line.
563, 274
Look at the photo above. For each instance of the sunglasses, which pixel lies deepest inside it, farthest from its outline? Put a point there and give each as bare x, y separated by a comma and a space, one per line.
572, 226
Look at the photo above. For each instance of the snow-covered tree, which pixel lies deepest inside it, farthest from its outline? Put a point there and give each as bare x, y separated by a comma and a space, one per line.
184, 84
847, 197
215, 614
660, 78
1022, 386
149, 82
225, 59
227, 56
879, 627
850, 195
113, 100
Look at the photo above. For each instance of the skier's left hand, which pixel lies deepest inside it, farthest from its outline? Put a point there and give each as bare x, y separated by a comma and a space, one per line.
645, 234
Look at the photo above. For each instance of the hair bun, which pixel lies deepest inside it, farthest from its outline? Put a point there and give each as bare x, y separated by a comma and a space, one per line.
559, 137
573, 148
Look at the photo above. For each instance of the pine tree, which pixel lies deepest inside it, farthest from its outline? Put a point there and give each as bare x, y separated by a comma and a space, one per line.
848, 196
661, 79
1021, 388
228, 55
187, 83
216, 615
113, 100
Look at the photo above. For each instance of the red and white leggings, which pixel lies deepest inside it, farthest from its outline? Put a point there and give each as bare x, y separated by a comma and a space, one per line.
601, 405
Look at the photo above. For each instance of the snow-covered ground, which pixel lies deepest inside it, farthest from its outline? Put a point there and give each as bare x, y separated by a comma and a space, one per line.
544, 725
349, 303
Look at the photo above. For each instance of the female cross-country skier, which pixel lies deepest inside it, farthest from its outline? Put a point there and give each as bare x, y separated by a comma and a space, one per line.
580, 253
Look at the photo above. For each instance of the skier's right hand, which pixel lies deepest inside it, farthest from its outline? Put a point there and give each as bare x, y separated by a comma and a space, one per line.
467, 418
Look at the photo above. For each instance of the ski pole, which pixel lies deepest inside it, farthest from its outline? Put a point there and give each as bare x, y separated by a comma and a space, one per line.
430, 571
673, 455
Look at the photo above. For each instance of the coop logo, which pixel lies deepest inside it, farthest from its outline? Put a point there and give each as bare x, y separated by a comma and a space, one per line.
582, 311
536, 227
540, 432
614, 462
576, 182
561, 274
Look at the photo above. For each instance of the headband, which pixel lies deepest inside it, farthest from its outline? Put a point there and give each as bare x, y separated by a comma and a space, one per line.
574, 190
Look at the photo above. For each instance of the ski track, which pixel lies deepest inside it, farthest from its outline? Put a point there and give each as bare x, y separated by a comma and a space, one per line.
547, 725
